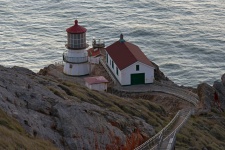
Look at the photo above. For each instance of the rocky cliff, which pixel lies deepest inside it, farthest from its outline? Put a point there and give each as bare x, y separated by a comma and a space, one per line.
73, 117
206, 95
206, 130
61, 110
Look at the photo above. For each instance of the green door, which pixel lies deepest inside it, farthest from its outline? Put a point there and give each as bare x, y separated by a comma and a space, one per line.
138, 78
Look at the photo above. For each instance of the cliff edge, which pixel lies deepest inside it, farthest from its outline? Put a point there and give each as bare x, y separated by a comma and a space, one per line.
73, 117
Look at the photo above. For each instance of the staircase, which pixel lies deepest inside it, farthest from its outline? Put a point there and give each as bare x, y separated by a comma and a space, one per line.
108, 71
166, 138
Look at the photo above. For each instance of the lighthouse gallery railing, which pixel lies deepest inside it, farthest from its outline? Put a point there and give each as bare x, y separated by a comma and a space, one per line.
74, 59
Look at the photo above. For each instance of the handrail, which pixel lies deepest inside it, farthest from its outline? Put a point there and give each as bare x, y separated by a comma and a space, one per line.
157, 87
98, 44
155, 138
175, 87
74, 59
179, 127
177, 92
108, 71
58, 63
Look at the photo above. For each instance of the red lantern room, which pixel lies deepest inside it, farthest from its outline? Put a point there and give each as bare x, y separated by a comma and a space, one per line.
76, 37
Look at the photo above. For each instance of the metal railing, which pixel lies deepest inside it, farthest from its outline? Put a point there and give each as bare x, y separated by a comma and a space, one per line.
98, 43
162, 83
184, 94
156, 138
108, 71
76, 47
58, 63
179, 127
74, 59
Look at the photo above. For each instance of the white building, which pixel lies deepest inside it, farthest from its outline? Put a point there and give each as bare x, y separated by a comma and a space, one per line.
98, 83
129, 64
76, 57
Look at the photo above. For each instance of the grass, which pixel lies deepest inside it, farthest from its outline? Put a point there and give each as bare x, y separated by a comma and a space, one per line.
13, 136
154, 114
202, 131
56, 92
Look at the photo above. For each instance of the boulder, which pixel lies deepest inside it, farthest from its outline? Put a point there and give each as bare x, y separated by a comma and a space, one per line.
223, 79
206, 95
159, 75
220, 88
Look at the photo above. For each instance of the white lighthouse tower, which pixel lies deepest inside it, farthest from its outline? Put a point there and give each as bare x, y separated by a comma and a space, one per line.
76, 57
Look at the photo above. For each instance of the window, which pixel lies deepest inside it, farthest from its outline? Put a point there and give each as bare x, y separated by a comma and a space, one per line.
107, 58
137, 67
71, 66
112, 64
117, 71
76, 40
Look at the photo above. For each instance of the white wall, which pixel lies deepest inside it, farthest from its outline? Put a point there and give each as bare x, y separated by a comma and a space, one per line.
124, 76
114, 70
143, 68
77, 53
97, 87
77, 69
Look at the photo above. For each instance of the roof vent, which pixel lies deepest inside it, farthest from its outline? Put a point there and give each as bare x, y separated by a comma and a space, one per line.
121, 38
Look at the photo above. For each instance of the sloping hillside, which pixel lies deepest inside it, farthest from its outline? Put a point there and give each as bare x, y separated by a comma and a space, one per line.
73, 117
62, 111
204, 131
13, 136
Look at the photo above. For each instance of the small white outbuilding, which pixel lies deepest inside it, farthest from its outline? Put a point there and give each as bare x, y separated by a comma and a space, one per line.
98, 83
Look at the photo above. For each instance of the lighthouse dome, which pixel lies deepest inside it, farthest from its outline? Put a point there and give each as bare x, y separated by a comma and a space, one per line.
76, 37
76, 29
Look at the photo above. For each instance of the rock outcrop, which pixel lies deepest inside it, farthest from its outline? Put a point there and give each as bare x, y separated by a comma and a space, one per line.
206, 95
159, 75
223, 79
48, 109
220, 89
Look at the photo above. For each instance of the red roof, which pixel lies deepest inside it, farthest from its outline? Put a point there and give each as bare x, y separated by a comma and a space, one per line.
96, 80
124, 54
76, 29
94, 52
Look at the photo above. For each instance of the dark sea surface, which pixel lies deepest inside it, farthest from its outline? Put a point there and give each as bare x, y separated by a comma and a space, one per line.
186, 38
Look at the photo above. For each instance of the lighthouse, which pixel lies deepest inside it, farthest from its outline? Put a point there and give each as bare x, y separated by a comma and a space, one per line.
76, 57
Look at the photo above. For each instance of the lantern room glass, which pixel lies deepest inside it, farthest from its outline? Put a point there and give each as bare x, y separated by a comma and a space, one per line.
76, 41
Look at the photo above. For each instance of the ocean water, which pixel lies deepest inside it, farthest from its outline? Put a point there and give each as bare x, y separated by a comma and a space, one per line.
186, 38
